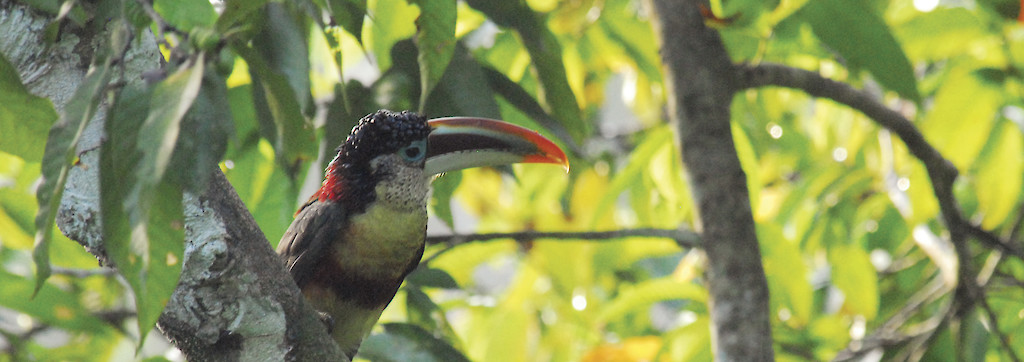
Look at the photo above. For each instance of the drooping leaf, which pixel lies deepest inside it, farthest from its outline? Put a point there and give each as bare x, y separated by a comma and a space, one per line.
546, 55
171, 99
348, 14
425, 313
59, 156
463, 90
144, 232
524, 102
857, 33
278, 111
435, 41
633, 172
430, 277
24, 118
204, 134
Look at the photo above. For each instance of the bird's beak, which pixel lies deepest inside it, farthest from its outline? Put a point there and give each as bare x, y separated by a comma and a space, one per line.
456, 143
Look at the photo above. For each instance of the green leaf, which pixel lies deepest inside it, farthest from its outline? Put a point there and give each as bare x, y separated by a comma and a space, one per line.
24, 118
348, 14
649, 292
632, 174
204, 134
940, 34
961, 120
144, 228
546, 55
855, 276
463, 90
519, 98
435, 40
408, 342
389, 24
51, 305
441, 198
240, 13
186, 14
425, 313
430, 277
59, 156
279, 113
282, 38
171, 99
853, 30
1000, 175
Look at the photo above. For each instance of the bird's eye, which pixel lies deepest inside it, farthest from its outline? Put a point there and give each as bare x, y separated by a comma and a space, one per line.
414, 152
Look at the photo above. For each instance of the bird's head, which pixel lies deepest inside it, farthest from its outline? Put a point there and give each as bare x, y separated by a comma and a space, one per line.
395, 155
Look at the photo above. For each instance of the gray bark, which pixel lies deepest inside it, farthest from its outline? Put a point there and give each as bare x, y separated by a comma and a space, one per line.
700, 79
234, 301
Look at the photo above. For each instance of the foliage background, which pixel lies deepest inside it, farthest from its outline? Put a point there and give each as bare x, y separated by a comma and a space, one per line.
855, 248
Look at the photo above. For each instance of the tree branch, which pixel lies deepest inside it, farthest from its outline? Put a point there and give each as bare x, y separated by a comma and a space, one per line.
685, 238
699, 75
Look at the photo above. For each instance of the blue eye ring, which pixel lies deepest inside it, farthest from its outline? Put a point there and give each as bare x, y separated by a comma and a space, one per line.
415, 151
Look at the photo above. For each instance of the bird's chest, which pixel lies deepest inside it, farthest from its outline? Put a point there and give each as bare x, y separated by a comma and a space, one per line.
382, 242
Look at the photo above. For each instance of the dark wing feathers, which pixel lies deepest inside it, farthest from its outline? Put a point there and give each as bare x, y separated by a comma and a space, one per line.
303, 246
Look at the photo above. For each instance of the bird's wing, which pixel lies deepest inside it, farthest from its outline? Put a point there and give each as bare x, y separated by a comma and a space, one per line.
304, 245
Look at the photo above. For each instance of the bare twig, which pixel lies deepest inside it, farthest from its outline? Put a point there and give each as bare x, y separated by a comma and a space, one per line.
993, 321
685, 238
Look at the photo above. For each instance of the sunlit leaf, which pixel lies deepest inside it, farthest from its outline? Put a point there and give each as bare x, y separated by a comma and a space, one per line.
59, 156
649, 292
961, 120
999, 175
435, 40
859, 35
855, 276
389, 23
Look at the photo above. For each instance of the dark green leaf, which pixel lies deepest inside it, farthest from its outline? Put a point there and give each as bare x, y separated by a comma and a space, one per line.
390, 24
204, 134
281, 120
348, 14
24, 118
186, 14
59, 155
240, 13
430, 277
441, 198
435, 40
424, 312
407, 342
144, 227
524, 102
463, 90
853, 30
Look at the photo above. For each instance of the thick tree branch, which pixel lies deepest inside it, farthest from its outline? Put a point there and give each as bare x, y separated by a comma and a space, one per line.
234, 300
699, 76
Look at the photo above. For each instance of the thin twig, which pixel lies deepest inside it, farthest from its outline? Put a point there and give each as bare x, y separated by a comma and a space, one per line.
685, 238
993, 321
83, 273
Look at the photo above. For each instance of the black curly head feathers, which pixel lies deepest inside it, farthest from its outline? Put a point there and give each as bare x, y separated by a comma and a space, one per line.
349, 176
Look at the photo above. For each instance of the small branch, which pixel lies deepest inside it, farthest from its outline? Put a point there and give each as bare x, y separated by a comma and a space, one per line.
83, 273
685, 238
993, 321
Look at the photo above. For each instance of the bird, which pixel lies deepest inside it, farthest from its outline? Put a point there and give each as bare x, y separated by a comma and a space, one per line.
362, 232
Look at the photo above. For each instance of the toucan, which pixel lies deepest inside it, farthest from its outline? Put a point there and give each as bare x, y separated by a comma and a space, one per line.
355, 240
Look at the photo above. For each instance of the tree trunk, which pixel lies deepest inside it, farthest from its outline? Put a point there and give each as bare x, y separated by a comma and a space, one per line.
700, 76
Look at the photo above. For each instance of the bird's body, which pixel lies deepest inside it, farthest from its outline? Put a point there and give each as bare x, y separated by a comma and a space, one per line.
363, 231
